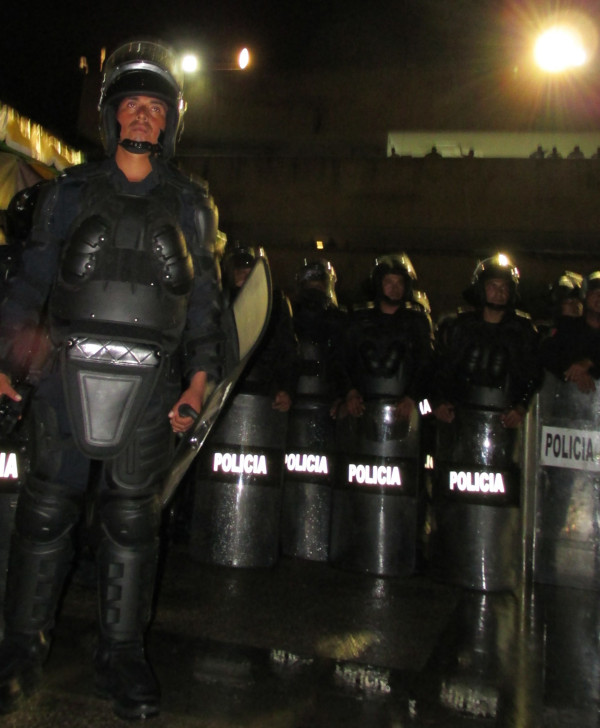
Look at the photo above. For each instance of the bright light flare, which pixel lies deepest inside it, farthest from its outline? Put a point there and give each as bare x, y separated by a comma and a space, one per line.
244, 58
189, 63
560, 48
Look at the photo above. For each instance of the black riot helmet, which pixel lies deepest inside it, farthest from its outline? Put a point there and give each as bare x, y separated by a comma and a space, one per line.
19, 213
567, 285
238, 256
498, 266
320, 272
590, 283
398, 264
149, 69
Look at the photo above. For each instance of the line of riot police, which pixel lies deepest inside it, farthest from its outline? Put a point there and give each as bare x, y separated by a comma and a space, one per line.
320, 452
339, 473
327, 449
399, 447
369, 439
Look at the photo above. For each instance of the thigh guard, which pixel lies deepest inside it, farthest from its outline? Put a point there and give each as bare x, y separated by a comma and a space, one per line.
142, 465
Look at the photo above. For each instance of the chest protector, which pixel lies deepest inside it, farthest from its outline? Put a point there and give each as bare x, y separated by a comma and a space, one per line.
385, 364
120, 303
125, 266
312, 379
485, 369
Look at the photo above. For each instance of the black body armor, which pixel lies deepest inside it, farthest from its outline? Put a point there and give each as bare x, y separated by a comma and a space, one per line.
125, 268
490, 366
319, 330
387, 354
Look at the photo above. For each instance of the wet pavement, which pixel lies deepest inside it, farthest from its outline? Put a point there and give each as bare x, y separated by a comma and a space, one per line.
303, 644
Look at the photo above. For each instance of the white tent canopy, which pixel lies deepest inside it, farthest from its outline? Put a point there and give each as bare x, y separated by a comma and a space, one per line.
32, 140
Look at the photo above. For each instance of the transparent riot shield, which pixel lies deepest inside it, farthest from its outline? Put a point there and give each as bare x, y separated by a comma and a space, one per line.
375, 499
237, 504
307, 481
476, 539
567, 508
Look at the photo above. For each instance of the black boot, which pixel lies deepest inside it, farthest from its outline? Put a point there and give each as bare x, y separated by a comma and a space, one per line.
124, 676
35, 579
40, 560
21, 660
126, 575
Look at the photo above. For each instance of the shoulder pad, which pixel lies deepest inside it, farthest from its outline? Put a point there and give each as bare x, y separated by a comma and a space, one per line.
447, 319
522, 314
192, 184
362, 306
85, 171
415, 308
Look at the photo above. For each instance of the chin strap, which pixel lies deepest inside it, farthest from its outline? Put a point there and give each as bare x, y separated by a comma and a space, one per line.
140, 147
392, 301
498, 306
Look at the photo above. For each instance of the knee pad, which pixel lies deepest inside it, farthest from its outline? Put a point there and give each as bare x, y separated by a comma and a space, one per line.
130, 521
46, 511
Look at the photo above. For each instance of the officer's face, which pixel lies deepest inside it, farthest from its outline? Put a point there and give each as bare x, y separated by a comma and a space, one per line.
392, 286
497, 291
240, 275
142, 118
571, 307
592, 300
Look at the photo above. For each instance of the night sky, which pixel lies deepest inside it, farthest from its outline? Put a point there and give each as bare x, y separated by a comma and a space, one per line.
42, 43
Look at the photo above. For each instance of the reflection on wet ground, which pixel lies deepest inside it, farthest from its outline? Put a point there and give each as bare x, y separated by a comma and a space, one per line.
304, 644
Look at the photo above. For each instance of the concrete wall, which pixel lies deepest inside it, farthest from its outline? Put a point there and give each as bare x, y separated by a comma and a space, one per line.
446, 213
294, 158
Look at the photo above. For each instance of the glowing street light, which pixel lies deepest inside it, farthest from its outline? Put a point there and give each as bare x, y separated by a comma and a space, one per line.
190, 63
243, 58
560, 48
565, 42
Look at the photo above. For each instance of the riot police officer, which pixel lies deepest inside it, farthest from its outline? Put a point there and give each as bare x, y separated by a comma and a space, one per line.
18, 219
566, 294
572, 353
120, 254
319, 325
387, 347
487, 356
485, 376
386, 356
252, 426
273, 368
307, 492
564, 298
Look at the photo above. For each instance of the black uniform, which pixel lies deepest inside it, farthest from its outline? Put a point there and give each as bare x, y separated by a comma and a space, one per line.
388, 354
572, 340
319, 327
122, 275
489, 365
274, 365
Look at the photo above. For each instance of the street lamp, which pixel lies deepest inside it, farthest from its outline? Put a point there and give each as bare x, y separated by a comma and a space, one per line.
243, 59
567, 42
560, 48
190, 63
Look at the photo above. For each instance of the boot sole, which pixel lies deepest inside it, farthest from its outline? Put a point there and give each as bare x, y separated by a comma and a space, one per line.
140, 711
14, 692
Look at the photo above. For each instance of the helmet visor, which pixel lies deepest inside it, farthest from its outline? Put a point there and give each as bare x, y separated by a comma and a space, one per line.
142, 67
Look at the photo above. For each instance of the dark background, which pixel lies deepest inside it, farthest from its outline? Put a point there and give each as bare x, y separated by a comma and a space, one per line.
473, 43
295, 148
